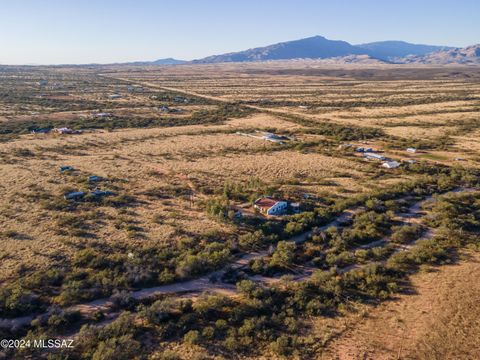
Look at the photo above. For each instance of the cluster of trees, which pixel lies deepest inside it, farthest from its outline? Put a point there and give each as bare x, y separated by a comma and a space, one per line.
439, 143
172, 98
269, 316
338, 131
217, 115
457, 221
383, 100
247, 191
220, 208
221, 113
283, 259
406, 234
16, 301
100, 271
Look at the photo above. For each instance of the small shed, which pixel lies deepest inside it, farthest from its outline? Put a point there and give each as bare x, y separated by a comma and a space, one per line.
94, 178
41, 131
66, 168
373, 156
391, 164
101, 114
76, 195
101, 193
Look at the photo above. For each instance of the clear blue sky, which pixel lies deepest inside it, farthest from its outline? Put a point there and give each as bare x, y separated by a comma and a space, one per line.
84, 31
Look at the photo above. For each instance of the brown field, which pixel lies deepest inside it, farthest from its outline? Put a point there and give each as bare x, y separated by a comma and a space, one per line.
166, 166
437, 321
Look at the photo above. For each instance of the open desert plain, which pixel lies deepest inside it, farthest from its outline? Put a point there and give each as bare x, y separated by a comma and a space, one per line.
136, 212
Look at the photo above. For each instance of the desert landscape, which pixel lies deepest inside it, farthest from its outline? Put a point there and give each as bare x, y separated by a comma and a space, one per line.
131, 218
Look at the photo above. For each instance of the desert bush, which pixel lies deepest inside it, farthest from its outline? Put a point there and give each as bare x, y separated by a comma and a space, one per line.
405, 234
17, 301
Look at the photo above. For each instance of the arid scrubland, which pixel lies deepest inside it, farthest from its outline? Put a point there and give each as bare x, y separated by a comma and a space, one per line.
181, 153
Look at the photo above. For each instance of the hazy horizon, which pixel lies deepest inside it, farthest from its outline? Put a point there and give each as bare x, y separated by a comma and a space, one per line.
75, 32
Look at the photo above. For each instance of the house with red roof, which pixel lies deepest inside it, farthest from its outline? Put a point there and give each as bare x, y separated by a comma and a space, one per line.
270, 206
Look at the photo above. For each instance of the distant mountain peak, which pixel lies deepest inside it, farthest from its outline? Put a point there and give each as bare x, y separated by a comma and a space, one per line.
168, 61
315, 47
319, 47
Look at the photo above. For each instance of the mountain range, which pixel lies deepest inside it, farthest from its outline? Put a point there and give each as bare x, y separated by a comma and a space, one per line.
337, 51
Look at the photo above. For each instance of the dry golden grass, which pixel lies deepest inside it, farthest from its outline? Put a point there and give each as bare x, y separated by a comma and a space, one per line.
438, 321
212, 154
415, 104
148, 159
275, 166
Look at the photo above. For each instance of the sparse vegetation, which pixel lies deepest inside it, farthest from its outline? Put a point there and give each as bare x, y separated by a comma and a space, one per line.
181, 183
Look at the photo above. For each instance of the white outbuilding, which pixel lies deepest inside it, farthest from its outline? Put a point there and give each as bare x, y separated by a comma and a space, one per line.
391, 164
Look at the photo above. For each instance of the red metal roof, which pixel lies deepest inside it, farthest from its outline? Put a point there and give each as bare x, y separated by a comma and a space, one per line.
265, 202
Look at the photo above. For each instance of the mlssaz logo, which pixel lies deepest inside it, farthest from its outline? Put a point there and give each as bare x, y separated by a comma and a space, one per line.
53, 343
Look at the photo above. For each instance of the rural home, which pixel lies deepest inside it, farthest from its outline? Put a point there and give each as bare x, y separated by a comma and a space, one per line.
65, 130
391, 164
374, 156
364, 150
270, 206
180, 99
273, 138
134, 88
41, 131
411, 150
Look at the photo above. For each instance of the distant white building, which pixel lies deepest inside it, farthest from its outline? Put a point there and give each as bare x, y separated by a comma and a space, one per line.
101, 114
66, 130
273, 138
374, 156
134, 88
270, 206
391, 164
411, 150
114, 96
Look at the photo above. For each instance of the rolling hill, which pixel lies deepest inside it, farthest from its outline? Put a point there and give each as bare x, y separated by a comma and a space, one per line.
393, 50
469, 55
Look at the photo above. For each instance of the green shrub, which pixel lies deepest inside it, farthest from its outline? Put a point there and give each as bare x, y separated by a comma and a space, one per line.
192, 337
405, 234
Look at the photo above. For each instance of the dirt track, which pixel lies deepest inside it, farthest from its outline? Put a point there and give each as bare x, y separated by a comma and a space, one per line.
204, 284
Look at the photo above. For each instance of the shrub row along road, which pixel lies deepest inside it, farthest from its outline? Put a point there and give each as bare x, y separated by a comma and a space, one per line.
205, 284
